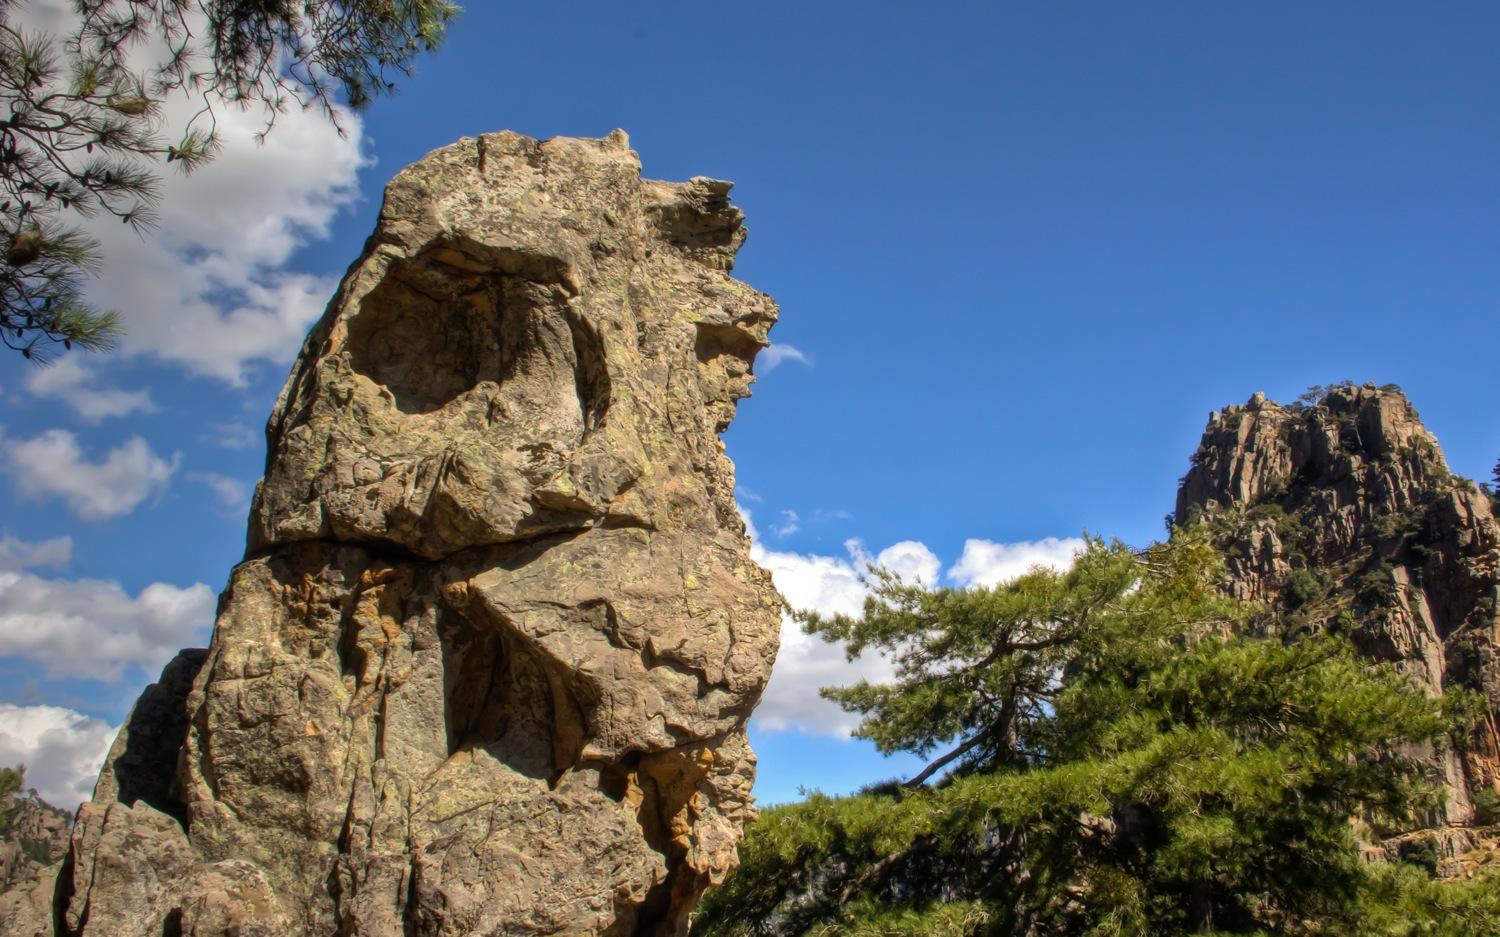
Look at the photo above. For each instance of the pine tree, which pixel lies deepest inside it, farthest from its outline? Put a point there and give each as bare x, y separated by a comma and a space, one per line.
79, 121
11, 780
1118, 760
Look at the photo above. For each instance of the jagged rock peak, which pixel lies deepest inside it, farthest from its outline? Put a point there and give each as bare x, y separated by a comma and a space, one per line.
487, 664
1260, 448
33, 839
1339, 511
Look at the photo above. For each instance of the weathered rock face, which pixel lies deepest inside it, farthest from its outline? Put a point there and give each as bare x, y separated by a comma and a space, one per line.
33, 838
487, 665
1342, 513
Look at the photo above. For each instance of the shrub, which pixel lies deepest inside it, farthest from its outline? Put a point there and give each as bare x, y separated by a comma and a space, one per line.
1305, 586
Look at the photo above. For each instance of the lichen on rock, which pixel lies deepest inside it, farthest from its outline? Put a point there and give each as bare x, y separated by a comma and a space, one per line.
487, 664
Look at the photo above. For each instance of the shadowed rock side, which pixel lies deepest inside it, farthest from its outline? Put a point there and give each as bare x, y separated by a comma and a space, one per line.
1346, 505
487, 665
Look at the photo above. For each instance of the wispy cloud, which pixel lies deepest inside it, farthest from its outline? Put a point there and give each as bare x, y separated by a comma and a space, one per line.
231, 493
773, 356
16, 555
231, 434
790, 524
76, 382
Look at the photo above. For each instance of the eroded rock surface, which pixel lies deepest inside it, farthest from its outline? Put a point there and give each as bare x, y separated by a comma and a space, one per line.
487, 666
1340, 512
33, 840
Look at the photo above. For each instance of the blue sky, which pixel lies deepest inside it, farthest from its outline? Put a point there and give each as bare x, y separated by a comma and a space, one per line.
1021, 250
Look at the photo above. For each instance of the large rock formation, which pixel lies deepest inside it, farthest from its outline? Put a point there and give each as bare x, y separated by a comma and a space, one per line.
487, 665
1340, 512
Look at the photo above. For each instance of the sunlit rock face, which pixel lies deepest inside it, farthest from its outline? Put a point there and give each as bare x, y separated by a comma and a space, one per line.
487, 665
1341, 512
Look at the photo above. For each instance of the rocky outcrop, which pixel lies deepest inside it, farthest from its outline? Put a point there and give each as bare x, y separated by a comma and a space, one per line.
33, 839
487, 665
33, 835
1340, 512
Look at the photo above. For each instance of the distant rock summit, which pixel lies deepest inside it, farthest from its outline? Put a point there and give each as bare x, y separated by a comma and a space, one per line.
487, 664
1340, 512
33, 840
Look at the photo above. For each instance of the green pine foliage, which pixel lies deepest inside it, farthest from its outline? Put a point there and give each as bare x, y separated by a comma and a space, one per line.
1404, 901
986, 668
11, 780
1118, 760
80, 127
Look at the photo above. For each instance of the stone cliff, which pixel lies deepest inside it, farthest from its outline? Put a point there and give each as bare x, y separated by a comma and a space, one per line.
487, 664
33, 839
1340, 512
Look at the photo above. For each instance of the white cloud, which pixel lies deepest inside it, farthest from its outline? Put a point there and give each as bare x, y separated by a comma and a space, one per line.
76, 383
16, 555
829, 585
205, 290
805, 663
789, 524
770, 357
231, 493
61, 749
909, 559
791, 521
231, 434
80, 628
750, 528
93, 628
986, 563
54, 465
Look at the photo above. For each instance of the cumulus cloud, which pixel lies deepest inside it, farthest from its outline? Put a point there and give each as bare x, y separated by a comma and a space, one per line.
986, 563
806, 663
909, 559
94, 628
205, 290
773, 356
61, 749
53, 465
829, 585
75, 382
